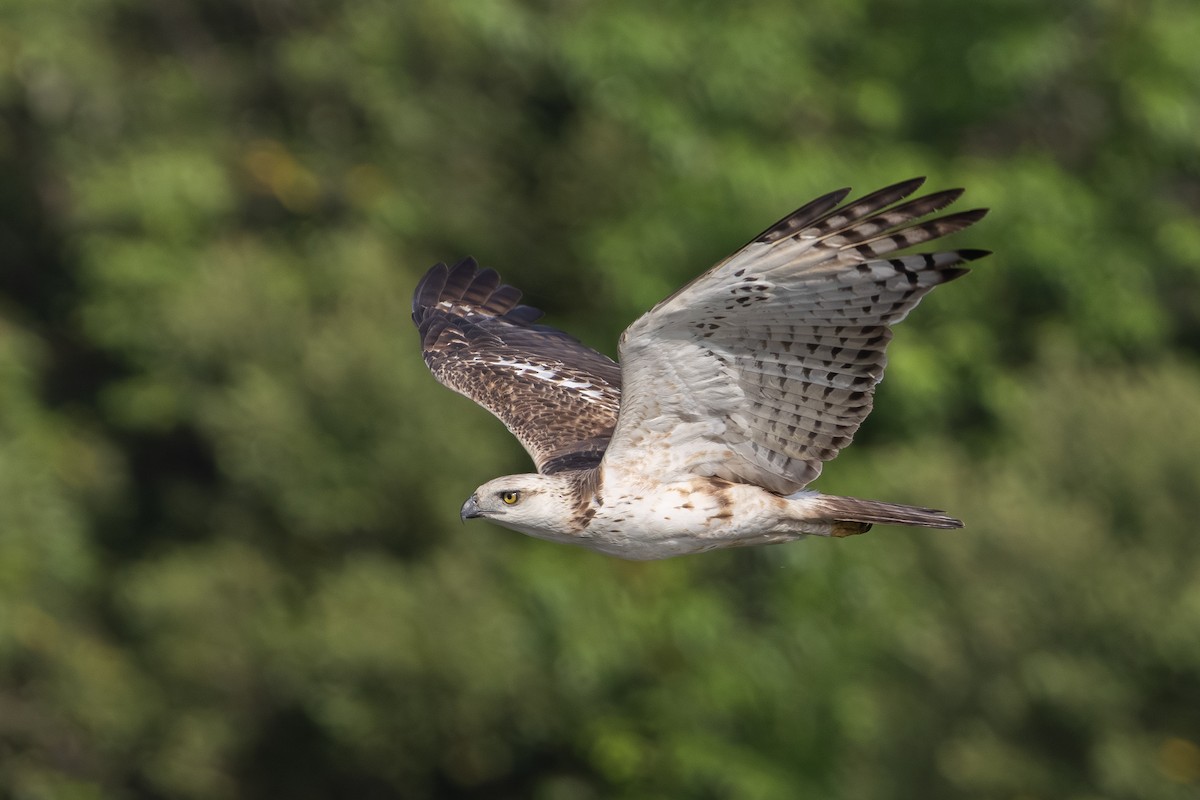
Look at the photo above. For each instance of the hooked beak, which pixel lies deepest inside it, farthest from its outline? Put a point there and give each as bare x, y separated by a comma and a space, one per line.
470, 509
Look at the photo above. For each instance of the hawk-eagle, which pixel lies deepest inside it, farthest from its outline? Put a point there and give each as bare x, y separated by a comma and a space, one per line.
729, 396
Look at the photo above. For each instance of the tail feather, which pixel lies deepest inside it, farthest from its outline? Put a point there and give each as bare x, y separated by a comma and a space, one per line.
854, 510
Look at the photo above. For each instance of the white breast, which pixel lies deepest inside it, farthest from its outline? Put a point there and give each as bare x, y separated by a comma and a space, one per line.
636, 518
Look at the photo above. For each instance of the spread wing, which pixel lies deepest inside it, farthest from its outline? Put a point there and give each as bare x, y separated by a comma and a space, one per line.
557, 396
763, 368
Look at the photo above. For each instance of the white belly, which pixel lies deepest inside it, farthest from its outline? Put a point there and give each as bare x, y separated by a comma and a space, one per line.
658, 521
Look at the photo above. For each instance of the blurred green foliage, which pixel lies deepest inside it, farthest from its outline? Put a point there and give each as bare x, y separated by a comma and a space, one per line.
229, 560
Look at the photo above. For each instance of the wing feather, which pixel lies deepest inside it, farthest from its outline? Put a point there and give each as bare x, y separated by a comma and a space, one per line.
780, 346
556, 395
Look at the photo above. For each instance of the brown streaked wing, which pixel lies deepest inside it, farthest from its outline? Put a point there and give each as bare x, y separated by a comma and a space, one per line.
555, 394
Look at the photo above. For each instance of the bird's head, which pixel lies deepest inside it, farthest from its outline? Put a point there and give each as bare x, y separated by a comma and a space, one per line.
539, 505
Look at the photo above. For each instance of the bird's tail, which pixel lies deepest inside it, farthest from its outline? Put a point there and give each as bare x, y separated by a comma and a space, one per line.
850, 515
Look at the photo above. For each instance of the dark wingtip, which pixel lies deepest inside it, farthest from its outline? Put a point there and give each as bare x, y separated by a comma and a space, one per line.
460, 278
890, 194
524, 315
428, 289
467, 284
973, 255
939, 200
906, 187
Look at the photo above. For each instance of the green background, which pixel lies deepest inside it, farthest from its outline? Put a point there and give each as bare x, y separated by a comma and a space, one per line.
230, 559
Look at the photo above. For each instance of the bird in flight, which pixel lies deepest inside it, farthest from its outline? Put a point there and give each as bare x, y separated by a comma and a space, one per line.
730, 394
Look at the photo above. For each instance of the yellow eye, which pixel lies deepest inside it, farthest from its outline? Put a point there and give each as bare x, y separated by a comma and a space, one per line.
510, 498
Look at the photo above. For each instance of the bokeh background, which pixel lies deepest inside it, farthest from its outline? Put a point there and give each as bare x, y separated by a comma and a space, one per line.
230, 559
